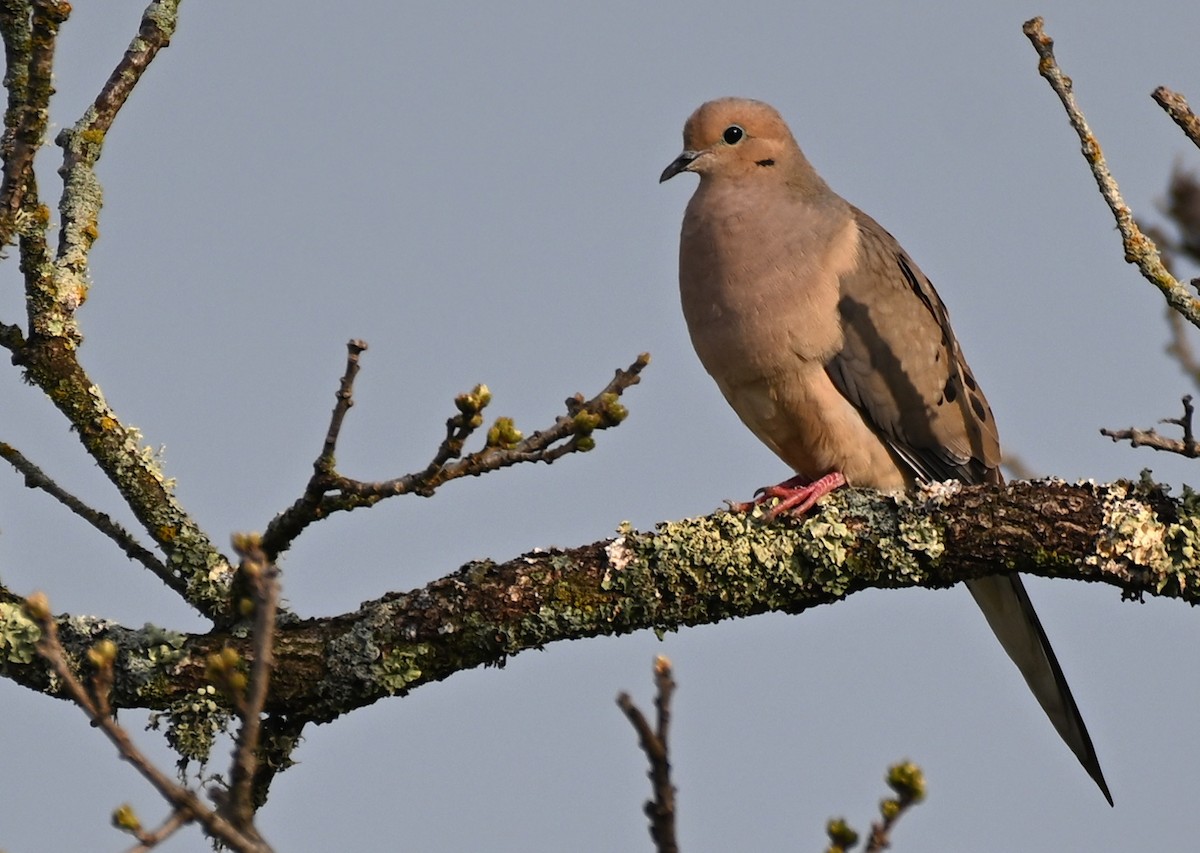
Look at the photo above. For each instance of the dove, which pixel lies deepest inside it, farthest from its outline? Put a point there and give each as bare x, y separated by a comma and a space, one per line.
834, 349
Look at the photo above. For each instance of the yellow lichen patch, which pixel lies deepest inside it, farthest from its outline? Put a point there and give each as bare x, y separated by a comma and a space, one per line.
828, 537
921, 534
401, 666
1131, 533
19, 635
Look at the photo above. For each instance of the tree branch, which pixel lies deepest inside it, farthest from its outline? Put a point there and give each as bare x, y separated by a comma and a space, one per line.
696, 571
329, 492
30, 33
36, 478
1177, 108
95, 705
655, 743
56, 287
1139, 249
263, 577
1188, 446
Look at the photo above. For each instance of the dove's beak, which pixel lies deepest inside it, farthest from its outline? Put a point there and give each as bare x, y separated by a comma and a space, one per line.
679, 164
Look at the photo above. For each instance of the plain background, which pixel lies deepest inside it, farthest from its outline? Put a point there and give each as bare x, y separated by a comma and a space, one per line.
472, 188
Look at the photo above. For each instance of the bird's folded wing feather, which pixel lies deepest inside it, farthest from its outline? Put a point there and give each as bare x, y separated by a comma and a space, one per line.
901, 365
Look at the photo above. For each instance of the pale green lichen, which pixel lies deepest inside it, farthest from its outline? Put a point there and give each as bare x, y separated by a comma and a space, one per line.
1131, 533
148, 661
918, 533
896, 554
192, 725
735, 558
825, 538
399, 667
19, 635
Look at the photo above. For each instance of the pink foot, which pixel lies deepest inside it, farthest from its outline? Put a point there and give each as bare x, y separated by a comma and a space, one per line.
796, 495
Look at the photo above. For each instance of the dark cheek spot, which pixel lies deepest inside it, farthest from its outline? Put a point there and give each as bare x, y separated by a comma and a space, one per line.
765, 162
950, 392
970, 380
978, 407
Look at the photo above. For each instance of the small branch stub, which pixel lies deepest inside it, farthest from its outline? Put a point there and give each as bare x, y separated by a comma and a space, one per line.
1188, 446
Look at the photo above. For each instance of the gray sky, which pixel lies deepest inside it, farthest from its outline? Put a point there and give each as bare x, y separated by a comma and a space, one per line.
475, 194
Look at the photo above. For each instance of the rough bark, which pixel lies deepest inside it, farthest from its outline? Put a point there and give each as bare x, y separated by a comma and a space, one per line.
695, 571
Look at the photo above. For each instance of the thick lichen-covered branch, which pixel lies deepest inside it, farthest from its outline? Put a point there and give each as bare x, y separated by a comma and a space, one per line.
194, 567
56, 285
82, 196
697, 571
30, 33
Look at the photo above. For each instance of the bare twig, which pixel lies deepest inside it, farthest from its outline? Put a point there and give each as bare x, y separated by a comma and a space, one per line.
655, 743
183, 800
1177, 108
1139, 249
263, 578
149, 840
328, 491
345, 399
1188, 446
35, 478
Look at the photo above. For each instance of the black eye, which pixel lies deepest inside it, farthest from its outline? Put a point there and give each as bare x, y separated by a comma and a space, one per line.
733, 135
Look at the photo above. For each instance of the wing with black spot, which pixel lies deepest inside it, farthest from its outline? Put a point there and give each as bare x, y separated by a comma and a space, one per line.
902, 367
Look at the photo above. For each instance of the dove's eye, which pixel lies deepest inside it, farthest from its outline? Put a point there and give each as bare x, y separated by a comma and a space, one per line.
733, 135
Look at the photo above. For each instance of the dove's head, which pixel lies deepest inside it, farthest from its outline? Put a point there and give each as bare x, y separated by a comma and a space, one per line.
736, 137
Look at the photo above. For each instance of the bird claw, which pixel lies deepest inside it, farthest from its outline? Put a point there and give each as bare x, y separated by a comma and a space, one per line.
795, 496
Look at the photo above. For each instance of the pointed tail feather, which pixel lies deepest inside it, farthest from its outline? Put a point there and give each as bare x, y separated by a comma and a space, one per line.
1010, 614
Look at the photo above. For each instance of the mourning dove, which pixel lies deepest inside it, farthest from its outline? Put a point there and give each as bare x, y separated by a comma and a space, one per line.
835, 350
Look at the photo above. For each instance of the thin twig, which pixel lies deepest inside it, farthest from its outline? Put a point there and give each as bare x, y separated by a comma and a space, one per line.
1188, 446
182, 799
1177, 108
1139, 249
328, 491
35, 478
345, 399
908, 783
655, 743
149, 840
263, 576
